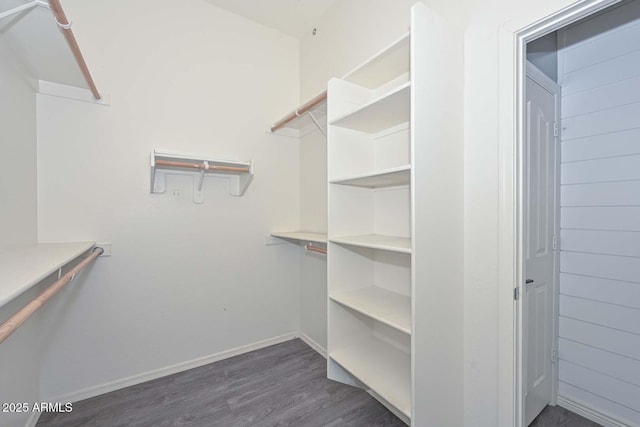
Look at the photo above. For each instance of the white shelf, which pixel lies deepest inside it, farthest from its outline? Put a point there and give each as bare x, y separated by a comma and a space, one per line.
377, 241
389, 110
386, 178
25, 266
381, 367
238, 180
390, 308
392, 62
302, 236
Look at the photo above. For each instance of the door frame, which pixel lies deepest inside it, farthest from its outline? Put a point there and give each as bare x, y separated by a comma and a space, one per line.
512, 39
543, 80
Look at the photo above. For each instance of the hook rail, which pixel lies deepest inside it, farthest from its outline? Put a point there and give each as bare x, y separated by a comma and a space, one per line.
202, 165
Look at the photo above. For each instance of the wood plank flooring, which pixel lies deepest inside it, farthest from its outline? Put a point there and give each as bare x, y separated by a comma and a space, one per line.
555, 416
281, 385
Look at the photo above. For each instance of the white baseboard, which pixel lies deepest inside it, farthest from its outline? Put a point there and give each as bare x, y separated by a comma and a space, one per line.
313, 344
588, 413
169, 370
33, 419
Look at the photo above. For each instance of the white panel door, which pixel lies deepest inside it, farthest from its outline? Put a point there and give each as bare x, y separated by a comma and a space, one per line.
539, 226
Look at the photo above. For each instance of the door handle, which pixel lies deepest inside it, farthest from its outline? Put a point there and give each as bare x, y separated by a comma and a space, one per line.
528, 281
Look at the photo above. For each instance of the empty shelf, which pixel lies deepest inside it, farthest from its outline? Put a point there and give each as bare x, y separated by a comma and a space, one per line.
24, 267
385, 112
383, 67
381, 367
302, 236
385, 178
377, 241
390, 308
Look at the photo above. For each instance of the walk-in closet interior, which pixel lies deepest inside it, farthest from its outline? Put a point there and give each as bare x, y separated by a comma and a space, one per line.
289, 212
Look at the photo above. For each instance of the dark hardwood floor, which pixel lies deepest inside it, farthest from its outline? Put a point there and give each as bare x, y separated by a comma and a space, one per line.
555, 416
282, 385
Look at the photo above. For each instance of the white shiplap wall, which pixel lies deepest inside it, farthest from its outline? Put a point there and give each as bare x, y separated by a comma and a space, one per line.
599, 344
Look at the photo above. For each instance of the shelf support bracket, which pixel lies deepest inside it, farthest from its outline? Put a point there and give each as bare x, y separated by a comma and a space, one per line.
22, 8
317, 123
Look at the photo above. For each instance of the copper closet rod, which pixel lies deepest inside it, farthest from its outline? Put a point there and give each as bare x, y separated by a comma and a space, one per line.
202, 166
317, 249
14, 322
65, 26
300, 111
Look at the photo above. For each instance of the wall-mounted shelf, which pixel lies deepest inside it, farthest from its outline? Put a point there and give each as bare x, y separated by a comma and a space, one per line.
302, 236
313, 242
25, 266
163, 162
301, 121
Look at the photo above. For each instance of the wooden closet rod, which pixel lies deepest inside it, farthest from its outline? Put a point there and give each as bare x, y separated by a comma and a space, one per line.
65, 26
14, 322
300, 111
202, 166
317, 249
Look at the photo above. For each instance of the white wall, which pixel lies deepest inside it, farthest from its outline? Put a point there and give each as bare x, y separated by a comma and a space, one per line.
18, 159
313, 217
20, 354
599, 344
185, 281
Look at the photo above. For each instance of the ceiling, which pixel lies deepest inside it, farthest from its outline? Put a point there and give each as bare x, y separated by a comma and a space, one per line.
293, 17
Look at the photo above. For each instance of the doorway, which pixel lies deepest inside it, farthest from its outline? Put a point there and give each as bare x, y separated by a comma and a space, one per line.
515, 227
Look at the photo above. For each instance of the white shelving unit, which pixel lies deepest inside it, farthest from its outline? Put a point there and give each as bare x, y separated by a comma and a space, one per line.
164, 162
370, 247
394, 282
25, 266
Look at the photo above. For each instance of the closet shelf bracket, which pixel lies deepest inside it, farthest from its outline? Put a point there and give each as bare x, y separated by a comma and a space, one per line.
163, 163
24, 7
304, 119
317, 123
